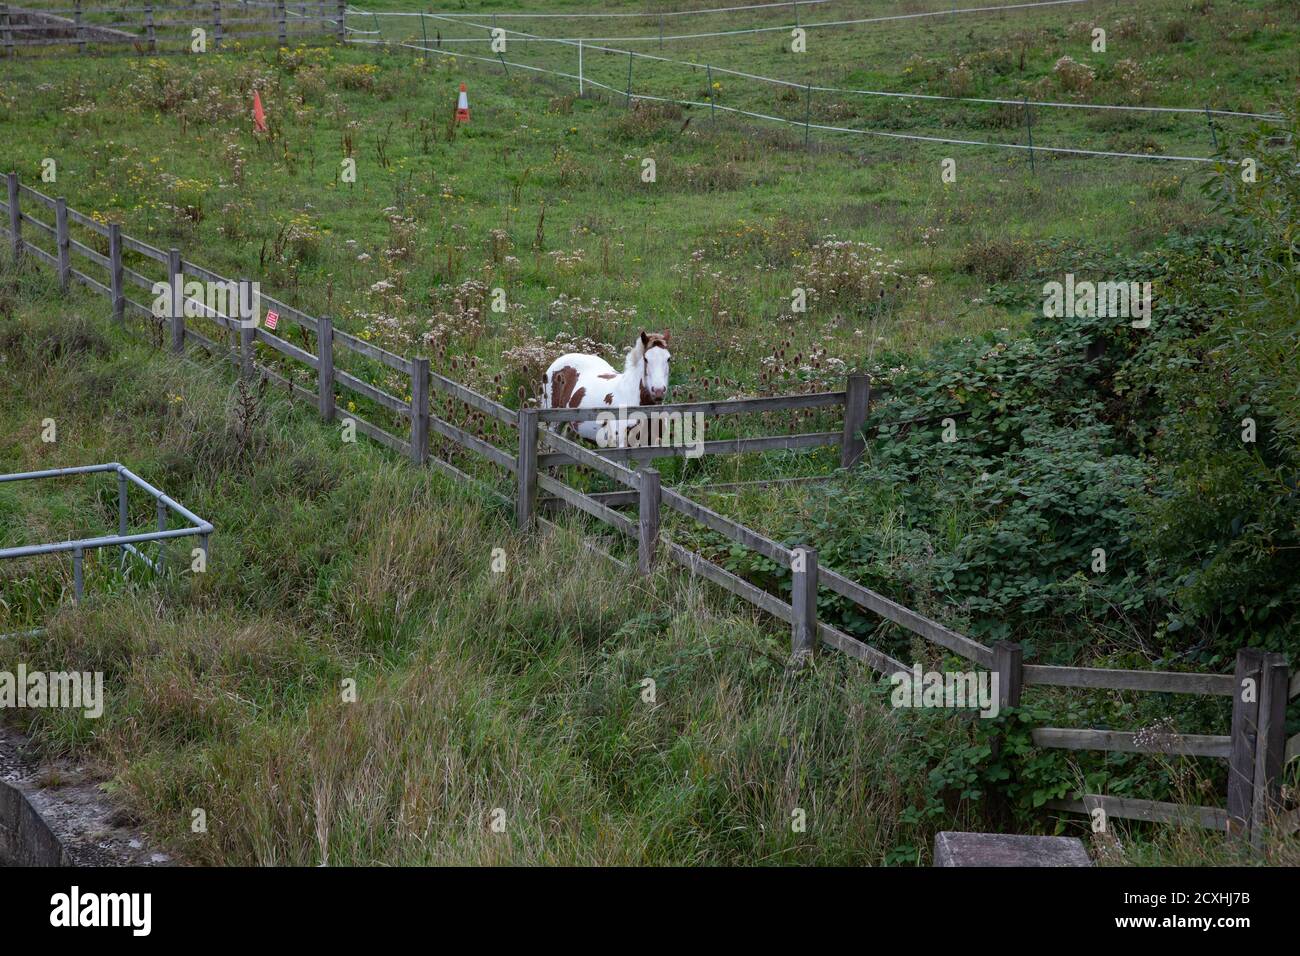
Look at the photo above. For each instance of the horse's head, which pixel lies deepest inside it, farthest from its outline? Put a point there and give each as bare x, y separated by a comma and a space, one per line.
655, 363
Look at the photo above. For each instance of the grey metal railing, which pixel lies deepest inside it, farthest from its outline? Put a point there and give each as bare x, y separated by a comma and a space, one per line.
127, 542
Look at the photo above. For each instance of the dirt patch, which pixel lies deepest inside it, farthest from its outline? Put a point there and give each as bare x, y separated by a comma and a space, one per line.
70, 798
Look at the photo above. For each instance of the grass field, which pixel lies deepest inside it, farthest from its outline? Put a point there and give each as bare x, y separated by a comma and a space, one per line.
521, 690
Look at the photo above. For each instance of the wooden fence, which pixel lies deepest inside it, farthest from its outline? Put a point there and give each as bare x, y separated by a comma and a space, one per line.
1255, 747
152, 29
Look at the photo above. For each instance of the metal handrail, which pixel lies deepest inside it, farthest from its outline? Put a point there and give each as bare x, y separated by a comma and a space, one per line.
127, 542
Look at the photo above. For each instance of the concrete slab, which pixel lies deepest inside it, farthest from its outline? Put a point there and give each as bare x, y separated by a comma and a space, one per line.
1008, 849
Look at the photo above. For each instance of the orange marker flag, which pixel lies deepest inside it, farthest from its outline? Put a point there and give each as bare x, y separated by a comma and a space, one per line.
462, 106
259, 115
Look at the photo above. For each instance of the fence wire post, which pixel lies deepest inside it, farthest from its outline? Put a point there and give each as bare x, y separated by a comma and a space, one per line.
325, 373
115, 271
807, 116
526, 469
149, 28
81, 31
78, 586
15, 219
1029, 128
216, 25
420, 411
1270, 745
647, 520
1245, 725
282, 14
708, 72
1209, 120
803, 604
424, 32
628, 102
340, 25
178, 300
580, 81
61, 241
857, 398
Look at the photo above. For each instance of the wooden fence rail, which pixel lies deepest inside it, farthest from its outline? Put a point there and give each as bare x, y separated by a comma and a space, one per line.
1255, 748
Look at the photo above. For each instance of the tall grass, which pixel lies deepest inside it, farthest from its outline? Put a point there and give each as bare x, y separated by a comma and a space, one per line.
517, 692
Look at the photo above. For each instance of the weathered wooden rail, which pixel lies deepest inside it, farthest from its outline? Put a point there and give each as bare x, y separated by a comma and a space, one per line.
1255, 748
168, 27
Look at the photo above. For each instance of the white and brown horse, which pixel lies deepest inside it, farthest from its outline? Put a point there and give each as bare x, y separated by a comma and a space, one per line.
588, 381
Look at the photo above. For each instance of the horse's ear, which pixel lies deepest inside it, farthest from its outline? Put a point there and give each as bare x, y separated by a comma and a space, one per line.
645, 339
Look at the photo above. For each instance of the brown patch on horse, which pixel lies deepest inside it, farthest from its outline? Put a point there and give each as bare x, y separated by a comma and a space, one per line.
607, 375
609, 399
562, 382
576, 399
653, 340
647, 398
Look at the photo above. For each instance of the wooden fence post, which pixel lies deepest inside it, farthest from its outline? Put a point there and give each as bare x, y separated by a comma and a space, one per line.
178, 300
857, 398
15, 219
6, 33
803, 603
1270, 744
247, 336
63, 250
216, 25
526, 469
325, 375
81, 31
115, 271
149, 28
1241, 759
647, 529
281, 12
1008, 664
341, 13
420, 411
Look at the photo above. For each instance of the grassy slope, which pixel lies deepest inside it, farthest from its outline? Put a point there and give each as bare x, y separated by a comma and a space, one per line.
580, 158
752, 202
711, 250
520, 690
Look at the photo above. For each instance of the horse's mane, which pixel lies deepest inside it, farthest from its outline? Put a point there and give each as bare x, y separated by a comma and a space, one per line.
633, 360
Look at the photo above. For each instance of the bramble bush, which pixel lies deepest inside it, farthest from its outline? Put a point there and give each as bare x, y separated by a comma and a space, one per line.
1092, 434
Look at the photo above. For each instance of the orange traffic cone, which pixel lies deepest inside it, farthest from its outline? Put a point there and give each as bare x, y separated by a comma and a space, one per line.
259, 115
462, 106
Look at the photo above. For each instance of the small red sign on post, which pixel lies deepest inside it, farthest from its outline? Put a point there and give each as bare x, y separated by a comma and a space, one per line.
272, 319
